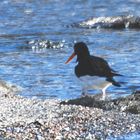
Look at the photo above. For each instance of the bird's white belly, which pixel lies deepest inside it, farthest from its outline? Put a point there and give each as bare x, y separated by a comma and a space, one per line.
94, 82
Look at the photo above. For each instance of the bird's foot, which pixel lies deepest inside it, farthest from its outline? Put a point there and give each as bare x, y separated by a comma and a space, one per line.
84, 94
103, 98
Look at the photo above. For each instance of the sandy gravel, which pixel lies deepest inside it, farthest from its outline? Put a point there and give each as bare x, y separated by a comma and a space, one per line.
34, 119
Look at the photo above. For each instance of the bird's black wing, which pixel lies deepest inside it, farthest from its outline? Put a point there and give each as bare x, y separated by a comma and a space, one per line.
101, 67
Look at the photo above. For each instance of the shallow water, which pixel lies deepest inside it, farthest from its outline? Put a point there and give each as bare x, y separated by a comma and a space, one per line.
42, 72
131, 136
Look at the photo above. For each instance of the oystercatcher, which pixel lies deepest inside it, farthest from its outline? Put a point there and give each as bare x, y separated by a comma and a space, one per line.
93, 71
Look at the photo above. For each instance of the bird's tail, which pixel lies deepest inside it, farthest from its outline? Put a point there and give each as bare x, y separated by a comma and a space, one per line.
117, 84
117, 74
114, 82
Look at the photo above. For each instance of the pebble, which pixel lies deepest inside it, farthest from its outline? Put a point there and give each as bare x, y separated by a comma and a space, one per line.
35, 119
41, 45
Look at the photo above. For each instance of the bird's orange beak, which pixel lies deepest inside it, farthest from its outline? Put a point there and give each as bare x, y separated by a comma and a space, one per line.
70, 58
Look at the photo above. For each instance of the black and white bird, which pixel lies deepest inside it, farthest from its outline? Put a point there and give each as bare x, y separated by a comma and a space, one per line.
93, 71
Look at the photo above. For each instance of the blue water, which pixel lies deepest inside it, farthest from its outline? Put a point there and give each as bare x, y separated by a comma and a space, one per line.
131, 136
42, 73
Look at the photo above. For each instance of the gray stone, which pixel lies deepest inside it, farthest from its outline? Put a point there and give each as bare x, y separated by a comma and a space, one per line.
129, 103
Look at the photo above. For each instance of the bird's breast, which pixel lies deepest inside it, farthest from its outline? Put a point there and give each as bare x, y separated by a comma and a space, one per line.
94, 82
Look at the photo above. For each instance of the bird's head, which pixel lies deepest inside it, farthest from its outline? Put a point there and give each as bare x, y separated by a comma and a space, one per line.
81, 50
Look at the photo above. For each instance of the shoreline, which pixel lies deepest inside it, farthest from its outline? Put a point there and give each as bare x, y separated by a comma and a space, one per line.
23, 118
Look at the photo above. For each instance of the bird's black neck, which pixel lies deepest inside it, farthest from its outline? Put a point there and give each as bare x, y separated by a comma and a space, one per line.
83, 58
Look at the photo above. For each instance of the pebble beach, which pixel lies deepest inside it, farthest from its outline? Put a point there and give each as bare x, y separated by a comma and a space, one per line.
40, 96
35, 119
